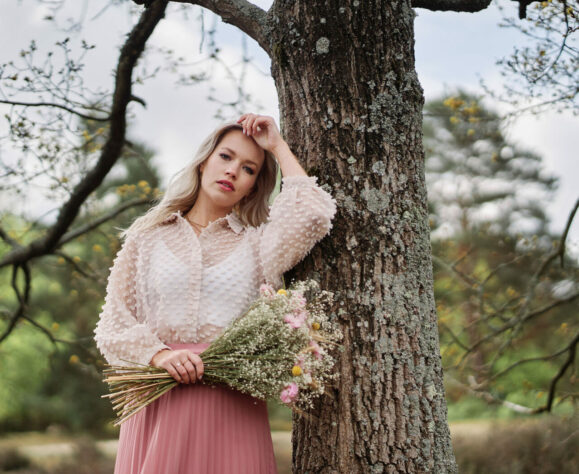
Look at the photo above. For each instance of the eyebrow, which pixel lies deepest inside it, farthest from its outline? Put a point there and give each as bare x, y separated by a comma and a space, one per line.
231, 152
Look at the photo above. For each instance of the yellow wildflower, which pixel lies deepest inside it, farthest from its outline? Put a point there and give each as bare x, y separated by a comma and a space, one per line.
74, 359
143, 184
97, 248
76, 259
55, 326
470, 132
453, 102
61, 260
315, 326
453, 120
281, 292
296, 370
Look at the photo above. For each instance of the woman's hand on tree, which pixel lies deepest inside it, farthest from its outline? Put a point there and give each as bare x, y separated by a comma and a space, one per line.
263, 130
183, 365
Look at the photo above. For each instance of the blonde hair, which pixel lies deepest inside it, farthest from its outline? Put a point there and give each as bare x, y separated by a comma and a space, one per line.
184, 186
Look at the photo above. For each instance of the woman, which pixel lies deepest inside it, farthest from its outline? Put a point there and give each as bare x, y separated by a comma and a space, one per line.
188, 267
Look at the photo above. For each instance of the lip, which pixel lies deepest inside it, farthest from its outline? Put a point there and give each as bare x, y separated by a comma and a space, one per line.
226, 185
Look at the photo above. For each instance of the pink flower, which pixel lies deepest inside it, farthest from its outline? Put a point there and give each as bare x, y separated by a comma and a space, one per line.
295, 320
298, 301
266, 290
316, 349
289, 393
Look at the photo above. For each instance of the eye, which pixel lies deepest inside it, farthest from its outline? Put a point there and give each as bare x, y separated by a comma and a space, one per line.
225, 156
249, 170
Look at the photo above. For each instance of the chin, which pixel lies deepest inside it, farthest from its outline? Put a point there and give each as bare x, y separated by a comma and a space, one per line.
225, 203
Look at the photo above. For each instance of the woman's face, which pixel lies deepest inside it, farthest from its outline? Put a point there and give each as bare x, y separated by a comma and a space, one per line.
230, 172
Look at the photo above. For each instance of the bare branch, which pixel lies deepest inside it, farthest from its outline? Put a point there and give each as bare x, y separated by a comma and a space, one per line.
244, 15
21, 297
561, 249
46, 332
452, 5
533, 359
6, 238
93, 276
515, 322
570, 360
73, 234
490, 398
57, 106
111, 150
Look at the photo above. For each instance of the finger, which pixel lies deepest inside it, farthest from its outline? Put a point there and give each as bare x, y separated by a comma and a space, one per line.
191, 371
198, 363
264, 122
249, 124
173, 372
182, 372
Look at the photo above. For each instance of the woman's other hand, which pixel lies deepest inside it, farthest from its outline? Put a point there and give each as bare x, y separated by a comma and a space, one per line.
183, 365
263, 130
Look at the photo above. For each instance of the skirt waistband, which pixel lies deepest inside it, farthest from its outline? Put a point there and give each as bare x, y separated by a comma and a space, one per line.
197, 347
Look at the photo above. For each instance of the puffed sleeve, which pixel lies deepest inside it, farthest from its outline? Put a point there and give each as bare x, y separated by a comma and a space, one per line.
121, 335
300, 216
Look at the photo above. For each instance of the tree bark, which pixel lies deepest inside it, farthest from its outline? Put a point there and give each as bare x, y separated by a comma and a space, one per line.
351, 108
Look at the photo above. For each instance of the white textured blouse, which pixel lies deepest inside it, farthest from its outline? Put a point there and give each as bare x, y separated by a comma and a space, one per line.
169, 285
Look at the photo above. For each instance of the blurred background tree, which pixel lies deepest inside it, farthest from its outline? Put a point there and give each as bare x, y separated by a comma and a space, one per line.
50, 366
506, 292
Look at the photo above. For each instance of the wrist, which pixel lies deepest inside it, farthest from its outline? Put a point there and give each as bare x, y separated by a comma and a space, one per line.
155, 358
280, 149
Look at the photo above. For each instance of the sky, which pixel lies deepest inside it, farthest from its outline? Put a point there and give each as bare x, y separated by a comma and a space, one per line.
452, 50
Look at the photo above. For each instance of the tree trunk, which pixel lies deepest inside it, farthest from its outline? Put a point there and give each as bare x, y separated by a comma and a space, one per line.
351, 108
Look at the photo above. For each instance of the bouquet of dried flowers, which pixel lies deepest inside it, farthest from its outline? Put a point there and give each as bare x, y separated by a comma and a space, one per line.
280, 348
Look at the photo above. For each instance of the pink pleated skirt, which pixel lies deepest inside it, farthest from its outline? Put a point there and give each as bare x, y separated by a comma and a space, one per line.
198, 429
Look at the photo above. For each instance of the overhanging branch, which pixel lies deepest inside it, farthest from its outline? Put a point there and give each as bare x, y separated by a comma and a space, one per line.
73, 234
452, 5
246, 16
57, 106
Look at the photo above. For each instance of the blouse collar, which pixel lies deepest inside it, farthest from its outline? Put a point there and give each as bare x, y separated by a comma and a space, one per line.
232, 219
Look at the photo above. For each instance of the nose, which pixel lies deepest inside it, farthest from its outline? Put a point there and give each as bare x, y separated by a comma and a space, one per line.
231, 171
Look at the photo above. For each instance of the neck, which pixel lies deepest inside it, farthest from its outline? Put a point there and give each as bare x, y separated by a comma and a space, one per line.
203, 214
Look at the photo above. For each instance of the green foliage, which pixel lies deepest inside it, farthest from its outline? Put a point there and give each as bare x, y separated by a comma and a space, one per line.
58, 382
